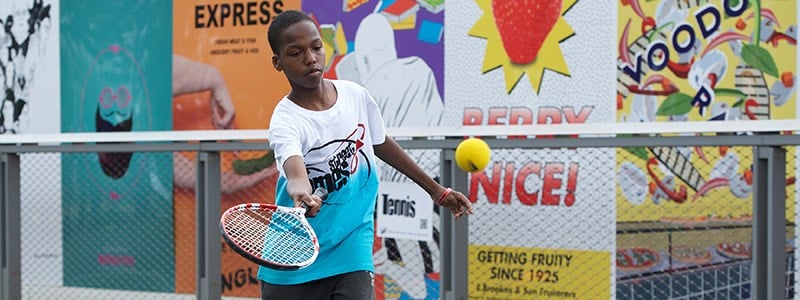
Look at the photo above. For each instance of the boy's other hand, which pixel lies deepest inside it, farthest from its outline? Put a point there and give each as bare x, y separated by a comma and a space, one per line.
456, 202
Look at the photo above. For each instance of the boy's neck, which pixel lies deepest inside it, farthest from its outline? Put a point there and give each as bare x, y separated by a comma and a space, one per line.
317, 99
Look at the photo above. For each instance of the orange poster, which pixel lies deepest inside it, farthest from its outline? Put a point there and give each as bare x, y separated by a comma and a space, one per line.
223, 78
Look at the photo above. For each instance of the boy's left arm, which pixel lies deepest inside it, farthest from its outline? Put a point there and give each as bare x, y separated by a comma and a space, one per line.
391, 153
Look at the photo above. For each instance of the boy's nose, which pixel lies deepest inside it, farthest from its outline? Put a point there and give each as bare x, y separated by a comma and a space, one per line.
311, 58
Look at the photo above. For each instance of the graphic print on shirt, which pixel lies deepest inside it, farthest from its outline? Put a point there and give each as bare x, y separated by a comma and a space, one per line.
340, 158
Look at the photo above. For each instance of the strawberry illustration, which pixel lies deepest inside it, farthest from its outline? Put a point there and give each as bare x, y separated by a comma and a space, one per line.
523, 26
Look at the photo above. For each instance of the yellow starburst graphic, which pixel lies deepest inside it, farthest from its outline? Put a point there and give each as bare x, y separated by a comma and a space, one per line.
550, 56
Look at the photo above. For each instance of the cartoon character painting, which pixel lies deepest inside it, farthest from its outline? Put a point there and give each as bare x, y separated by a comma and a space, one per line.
395, 49
405, 88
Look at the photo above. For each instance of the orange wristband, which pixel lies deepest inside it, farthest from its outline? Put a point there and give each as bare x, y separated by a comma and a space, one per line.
441, 198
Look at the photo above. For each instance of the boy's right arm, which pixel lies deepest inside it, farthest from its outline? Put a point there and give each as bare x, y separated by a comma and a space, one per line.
298, 186
391, 153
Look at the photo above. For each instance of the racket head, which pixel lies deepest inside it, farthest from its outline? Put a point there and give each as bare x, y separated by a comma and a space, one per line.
272, 236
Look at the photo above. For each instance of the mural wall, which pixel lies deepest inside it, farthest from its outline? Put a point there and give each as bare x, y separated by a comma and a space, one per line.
548, 223
222, 78
529, 62
681, 208
115, 78
395, 49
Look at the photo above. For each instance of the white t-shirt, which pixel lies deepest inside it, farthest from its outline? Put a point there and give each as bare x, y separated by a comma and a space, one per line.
336, 146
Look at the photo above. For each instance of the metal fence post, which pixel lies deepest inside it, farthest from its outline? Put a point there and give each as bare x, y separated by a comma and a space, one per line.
208, 198
10, 265
454, 235
769, 223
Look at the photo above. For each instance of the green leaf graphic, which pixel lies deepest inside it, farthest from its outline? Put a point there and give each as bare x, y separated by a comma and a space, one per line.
253, 165
723, 92
659, 29
675, 104
759, 58
735, 3
639, 152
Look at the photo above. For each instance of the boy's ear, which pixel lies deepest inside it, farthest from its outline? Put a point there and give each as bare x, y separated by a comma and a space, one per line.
276, 64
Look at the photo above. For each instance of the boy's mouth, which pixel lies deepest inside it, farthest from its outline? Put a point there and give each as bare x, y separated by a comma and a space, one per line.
313, 71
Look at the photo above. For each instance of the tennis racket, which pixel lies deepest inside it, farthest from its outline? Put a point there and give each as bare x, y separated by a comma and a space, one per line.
272, 236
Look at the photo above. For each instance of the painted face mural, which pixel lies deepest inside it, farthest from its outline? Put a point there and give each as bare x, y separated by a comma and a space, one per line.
115, 90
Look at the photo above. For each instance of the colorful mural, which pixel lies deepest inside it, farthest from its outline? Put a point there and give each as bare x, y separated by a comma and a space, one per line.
681, 208
115, 73
512, 63
395, 49
187, 65
222, 79
699, 61
523, 38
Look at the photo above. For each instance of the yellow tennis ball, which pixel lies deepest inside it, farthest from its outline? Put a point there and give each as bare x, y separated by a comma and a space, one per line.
473, 154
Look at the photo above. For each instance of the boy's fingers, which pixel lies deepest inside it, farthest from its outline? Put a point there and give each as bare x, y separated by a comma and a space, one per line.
464, 204
468, 207
312, 204
312, 211
461, 211
458, 204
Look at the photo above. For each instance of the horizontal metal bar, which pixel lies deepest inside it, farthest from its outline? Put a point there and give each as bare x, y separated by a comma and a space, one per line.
613, 142
139, 147
429, 143
585, 129
601, 128
135, 136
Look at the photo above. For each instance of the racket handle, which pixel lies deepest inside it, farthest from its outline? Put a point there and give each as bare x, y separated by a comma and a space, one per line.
321, 192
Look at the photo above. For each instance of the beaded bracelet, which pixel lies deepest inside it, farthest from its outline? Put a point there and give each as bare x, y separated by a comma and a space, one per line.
441, 198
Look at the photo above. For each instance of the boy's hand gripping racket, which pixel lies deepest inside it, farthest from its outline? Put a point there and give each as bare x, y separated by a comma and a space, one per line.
272, 236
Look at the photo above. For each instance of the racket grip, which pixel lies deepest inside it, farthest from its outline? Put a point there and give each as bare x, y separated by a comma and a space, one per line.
321, 192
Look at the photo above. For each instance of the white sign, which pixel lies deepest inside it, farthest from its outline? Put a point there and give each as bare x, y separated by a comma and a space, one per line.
542, 192
405, 211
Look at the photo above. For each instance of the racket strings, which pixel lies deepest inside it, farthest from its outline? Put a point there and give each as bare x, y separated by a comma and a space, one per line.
274, 236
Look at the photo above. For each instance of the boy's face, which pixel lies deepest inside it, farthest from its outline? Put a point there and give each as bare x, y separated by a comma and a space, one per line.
301, 55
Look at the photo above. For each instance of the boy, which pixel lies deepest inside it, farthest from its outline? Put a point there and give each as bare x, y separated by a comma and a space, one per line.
327, 134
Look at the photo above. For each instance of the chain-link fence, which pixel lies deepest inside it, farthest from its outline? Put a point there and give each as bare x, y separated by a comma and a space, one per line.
410, 267
587, 218
664, 218
691, 236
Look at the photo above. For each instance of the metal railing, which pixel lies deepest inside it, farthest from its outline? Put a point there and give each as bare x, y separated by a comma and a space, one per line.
769, 228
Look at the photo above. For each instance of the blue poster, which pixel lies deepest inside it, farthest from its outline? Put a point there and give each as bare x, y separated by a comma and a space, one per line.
117, 207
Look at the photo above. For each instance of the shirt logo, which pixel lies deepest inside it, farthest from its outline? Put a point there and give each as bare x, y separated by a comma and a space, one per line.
342, 159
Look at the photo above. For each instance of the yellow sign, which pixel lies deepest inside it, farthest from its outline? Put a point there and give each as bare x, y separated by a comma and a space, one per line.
497, 272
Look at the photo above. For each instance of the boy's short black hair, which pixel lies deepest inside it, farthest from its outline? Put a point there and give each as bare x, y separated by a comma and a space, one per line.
280, 23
